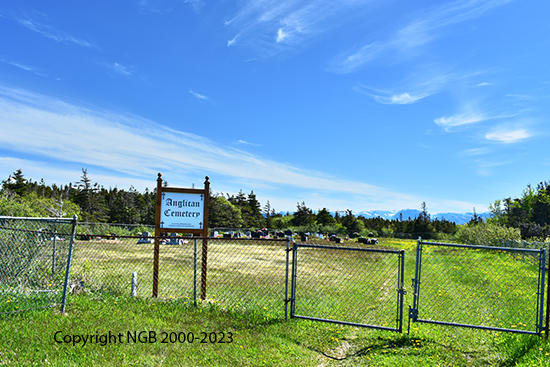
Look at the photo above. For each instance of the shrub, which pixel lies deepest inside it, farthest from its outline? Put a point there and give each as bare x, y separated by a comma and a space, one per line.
486, 234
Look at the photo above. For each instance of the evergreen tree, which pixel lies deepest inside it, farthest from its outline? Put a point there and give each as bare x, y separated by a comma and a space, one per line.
324, 218
303, 215
16, 183
223, 214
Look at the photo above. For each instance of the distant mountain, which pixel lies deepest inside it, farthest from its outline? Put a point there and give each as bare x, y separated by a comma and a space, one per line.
406, 214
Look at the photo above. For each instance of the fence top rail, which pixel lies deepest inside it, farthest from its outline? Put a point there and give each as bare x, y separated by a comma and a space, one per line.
116, 236
45, 219
350, 248
495, 248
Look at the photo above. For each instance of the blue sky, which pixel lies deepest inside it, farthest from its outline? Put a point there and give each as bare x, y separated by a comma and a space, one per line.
361, 105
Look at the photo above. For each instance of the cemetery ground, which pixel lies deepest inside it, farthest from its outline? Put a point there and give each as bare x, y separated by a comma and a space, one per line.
175, 332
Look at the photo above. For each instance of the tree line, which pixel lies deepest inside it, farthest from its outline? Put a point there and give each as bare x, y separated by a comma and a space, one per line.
92, 202
530, 212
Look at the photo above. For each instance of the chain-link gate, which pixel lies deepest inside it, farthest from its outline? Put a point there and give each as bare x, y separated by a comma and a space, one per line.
345, 285
492, 288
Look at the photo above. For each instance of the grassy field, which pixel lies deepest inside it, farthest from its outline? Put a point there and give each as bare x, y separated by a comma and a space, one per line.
245, 310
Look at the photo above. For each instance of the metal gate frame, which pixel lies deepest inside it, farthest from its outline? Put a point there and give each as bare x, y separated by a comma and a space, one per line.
293, 278
414, 313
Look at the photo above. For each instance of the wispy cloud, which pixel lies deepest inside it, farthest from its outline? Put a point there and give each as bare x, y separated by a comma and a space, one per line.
244, 142
404, 98
53, 34
475, 152
487, 168
199, 96
23, 66
426, 28
459, 120
196, 4
118, 68
505, 135
388, 97
54, 130
232, 41
281, 35
417, 86
264, 24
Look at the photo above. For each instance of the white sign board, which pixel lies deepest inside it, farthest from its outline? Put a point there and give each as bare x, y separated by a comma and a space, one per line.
182, 210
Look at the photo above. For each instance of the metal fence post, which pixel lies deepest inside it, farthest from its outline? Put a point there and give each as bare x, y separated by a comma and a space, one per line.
286, 278
542, 265
67, 272
53, 252
547, 326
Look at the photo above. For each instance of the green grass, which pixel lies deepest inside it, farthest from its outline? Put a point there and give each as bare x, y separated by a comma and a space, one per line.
257, 339
246, 283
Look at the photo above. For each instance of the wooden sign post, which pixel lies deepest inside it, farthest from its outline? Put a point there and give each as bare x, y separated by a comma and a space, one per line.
180, 210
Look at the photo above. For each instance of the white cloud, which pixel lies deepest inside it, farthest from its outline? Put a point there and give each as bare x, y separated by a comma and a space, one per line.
119, 69
508, 136
48, 32
404, 98
243, 142
484, 84
424, 29
458, 120
127, 149
475, 152
281, 35
199, 96
292, 20
232, 41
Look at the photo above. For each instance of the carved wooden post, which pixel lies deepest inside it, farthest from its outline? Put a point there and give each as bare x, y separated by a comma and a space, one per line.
205, 239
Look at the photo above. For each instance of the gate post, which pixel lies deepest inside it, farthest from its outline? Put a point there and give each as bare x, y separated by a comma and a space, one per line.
293, 276
400, 290
68, 269
286, 278
543, 268
413, 313
547, 326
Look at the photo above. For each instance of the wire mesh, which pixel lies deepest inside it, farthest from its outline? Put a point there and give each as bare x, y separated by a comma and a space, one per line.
106, 264
246, 274
33, 262
360, 286
483, 287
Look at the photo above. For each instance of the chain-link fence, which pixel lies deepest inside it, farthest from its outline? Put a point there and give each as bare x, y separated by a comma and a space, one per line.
34, 254
475, 286
355, 286
481, 287
240, 273
106, 264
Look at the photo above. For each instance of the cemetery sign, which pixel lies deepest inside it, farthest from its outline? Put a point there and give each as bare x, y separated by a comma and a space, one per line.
181, 210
